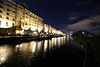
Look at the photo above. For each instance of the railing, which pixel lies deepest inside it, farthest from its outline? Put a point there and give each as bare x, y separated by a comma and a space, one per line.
9, 36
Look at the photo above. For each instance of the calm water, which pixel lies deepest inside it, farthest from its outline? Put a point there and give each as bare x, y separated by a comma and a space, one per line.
61, 51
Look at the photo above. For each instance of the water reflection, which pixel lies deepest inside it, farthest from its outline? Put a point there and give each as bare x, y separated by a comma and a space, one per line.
5, 52
45, 45
67, 38
25, 52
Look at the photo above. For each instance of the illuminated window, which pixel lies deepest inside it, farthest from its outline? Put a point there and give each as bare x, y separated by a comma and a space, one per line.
0, 11
6, 23
7, 17
7, 13
0, 16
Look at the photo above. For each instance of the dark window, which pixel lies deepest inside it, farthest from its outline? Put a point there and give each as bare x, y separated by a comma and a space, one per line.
8, 5
20, 7
26, 23
0, 23
7, 17
26, 13
0, 11
13, 19
6, 23
20, 18
23, 24
1, 6
13, 11
7, 13
8, 9
0, 16
19, 24
13, 24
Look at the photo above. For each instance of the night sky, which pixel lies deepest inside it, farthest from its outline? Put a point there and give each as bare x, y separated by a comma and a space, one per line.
67, 15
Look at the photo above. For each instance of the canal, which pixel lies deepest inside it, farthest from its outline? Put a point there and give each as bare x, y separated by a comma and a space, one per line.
60, 51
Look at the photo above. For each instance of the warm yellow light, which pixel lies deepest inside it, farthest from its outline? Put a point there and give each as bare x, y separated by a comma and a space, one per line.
21, 45
35, 32
34, 47
59, 41
17, 31
46, 30
5, 52
45, 45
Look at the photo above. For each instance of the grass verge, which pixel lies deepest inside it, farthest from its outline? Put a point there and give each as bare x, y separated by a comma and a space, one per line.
92, 48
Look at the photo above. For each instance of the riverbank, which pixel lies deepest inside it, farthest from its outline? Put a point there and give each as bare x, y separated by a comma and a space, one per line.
20, 39
92, 48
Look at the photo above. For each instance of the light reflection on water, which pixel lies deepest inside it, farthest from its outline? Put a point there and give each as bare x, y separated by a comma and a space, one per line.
23, 53
5, 52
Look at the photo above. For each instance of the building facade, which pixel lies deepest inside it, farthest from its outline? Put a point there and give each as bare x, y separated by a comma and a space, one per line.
17, 19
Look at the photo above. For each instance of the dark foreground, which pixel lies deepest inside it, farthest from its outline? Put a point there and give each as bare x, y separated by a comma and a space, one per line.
59, 52
92, 47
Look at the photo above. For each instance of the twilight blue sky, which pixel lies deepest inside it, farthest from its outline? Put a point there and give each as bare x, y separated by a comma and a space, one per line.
62, 14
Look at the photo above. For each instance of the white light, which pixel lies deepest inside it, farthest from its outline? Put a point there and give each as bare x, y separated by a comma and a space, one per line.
21, 45
33, 28
17, 31
26, 19
2, 59
3, 24
34, 47
26, 27
39, 29
17, 46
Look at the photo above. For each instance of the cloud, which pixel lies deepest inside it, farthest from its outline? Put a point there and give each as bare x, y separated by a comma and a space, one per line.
84, 2
73, 18
91, 24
